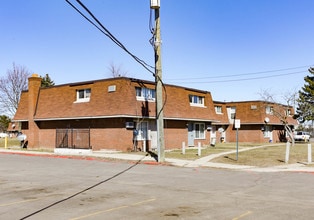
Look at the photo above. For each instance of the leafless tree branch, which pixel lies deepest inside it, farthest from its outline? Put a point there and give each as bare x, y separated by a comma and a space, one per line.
11, 87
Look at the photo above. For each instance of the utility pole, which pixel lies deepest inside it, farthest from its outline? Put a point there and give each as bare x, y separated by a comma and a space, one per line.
155, 4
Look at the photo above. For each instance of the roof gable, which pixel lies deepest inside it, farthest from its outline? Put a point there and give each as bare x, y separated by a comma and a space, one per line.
22, 110
113, 98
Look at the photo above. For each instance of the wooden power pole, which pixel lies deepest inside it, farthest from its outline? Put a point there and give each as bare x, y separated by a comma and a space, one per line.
155, 4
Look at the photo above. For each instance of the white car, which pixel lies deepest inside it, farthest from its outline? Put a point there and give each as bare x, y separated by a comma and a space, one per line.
302, 136
3, 135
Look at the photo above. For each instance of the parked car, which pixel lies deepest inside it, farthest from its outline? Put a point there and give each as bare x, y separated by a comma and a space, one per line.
3, 135
302, 136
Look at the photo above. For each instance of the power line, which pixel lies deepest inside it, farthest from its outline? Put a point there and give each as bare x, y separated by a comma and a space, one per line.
243, 74
106, 32
244, 79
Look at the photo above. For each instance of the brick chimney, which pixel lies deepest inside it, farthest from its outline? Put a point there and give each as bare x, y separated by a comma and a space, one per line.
34, 83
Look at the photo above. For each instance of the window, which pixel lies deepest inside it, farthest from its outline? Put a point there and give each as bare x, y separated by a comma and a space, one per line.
233, 112
112, 88
199, 129
253, 107
142, 129
145, 94
218, 109
288, 112
196, 100
83, 95
269, 110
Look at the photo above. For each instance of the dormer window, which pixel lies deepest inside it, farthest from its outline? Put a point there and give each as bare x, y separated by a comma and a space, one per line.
145, 94
288, 112
231, 112
196, 100
269, 110
83, 95
218, 109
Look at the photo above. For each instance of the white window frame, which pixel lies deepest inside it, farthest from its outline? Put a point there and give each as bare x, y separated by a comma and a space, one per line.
233, 111
218, 109
83, 95
145, 94
196, 100
142, 131
199, 131
269, 110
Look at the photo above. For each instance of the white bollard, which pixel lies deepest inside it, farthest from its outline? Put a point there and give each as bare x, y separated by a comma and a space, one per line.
309, 153
183, 147
287, 152
199, 149
144, 146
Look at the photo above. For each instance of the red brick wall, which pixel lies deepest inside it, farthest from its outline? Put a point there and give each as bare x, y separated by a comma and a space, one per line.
112, 134
47, 138
112, 138
253, 133
175, 133
34, 83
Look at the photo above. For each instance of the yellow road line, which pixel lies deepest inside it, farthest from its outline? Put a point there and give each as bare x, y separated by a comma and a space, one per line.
99, 212
19, 202
243, 215
112, 209
145, 201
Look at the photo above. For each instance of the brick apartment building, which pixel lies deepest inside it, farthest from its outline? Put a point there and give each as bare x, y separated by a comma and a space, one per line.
259, 121
119, 114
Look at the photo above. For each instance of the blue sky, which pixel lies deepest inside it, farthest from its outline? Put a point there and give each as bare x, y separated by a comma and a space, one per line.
232, 48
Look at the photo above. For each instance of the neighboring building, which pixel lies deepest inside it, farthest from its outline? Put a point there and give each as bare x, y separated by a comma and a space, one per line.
117, 113
260, 121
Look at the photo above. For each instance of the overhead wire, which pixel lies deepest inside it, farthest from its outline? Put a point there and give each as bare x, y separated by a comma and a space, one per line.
105, 31
244, 79
244, 74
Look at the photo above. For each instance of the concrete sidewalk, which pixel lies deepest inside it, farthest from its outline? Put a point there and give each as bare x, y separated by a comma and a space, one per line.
148, 159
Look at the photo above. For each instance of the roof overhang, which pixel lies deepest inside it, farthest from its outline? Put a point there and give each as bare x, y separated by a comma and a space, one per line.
20, 120
122, 116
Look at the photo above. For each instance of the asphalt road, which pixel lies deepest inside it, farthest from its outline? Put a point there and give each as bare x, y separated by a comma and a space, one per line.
33, 187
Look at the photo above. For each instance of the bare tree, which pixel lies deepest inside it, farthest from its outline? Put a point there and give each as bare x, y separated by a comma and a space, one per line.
11, 87
116, 71
281, 111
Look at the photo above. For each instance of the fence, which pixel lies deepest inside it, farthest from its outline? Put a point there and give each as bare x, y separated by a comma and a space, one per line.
73, 138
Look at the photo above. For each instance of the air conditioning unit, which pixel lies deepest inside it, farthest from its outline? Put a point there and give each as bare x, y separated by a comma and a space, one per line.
129, 124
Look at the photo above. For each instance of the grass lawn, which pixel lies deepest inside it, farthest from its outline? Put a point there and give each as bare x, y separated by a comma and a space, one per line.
12, 142
192, 153
268, 156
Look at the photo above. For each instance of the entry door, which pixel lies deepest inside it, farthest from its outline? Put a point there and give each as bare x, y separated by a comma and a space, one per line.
142, 131
153, 134
191, 134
